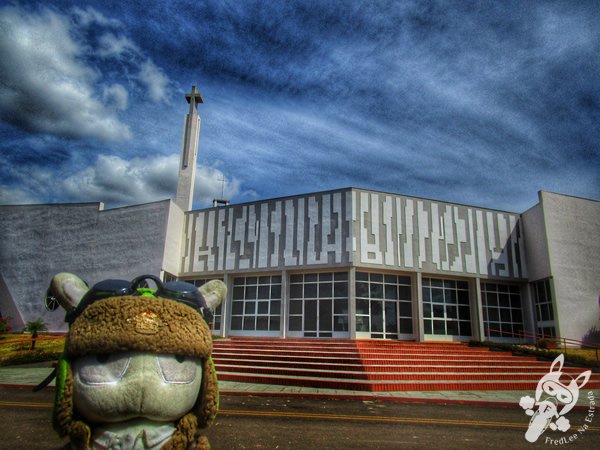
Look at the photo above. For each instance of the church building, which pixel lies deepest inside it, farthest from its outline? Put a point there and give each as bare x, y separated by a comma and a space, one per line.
346, 263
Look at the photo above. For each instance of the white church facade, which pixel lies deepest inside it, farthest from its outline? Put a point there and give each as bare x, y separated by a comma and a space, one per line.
347, 263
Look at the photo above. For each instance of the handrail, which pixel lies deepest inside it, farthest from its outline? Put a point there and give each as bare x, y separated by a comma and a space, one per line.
559, 340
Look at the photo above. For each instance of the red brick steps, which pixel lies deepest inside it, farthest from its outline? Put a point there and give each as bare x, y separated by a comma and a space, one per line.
377, 366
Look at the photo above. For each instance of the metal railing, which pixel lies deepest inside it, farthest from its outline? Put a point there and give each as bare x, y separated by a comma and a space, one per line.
557, 340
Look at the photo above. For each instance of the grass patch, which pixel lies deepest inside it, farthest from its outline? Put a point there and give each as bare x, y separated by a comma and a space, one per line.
19, 352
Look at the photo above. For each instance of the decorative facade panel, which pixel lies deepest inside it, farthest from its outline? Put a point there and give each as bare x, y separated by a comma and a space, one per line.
436, 237
369, 228
313, 230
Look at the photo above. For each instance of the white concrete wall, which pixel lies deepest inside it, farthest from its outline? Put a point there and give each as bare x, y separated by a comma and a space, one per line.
573, 231
174, 240
38, 241
536, 243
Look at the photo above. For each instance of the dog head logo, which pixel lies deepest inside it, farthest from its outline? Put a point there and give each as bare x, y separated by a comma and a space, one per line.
553, 399
565, 394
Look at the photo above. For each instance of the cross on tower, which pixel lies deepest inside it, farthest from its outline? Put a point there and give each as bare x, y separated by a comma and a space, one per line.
193, 98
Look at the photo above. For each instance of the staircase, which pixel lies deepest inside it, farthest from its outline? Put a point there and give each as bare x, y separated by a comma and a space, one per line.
378, 366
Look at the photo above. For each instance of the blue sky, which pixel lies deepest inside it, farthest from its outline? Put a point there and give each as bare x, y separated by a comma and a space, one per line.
482, 103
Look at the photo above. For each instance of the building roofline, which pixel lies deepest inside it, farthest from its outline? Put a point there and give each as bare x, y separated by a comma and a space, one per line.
569, 195
32, 205
100, 205
350, 188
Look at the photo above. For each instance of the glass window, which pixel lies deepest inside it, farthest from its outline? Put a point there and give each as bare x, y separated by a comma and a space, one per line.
247, 313
310, 290
501, 309
446, 308
319, 302
381, 301
295, 291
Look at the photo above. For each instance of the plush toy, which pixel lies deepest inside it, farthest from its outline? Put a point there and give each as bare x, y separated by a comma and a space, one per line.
136, 372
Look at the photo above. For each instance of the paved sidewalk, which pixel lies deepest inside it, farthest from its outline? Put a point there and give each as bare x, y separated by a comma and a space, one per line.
31, 375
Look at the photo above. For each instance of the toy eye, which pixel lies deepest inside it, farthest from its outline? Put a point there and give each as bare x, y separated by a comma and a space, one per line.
102, 358
177, 369
102, 368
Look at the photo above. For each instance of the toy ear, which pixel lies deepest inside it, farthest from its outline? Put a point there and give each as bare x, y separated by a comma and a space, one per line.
64, 418
560, 360
204, 412
584, 376
67, 289
214, 292
209, 395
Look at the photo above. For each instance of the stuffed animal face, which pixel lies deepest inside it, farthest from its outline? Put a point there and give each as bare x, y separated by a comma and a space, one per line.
137, 364
117, 387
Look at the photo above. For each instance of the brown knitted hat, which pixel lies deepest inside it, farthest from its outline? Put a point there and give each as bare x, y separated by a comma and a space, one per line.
135, 323
144, 324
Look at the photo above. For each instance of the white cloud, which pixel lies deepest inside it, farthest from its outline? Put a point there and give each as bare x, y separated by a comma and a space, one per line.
212, 183
116, 96
117, 181
10, 195
154, 80
46, 86
91, 16
115, 46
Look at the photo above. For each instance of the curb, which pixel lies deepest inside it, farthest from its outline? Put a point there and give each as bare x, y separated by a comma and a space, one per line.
362, 397
359, 397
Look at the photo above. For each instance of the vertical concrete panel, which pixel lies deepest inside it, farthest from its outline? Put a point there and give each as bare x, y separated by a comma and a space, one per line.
399, 235
449, 262
491, 233
313, 254
290, 255
370, 231
275, 229
461, 238
470, 259
241, 231
220, 238
251, 250
263, 240
300, 241
501, 262
423, 232
409, 241
481, 244
210, 242
338, 216
436, 236
230, 256
354, 208
388, 246
326, 230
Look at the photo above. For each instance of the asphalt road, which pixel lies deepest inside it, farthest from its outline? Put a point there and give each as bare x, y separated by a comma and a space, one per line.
249, 422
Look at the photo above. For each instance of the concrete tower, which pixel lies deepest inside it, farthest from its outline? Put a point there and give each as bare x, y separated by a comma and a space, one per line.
189, 152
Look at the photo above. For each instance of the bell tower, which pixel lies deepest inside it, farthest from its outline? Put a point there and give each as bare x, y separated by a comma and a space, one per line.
189, 152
